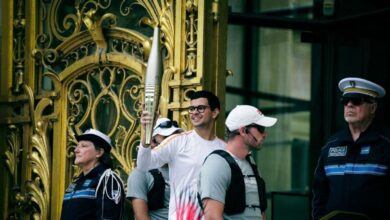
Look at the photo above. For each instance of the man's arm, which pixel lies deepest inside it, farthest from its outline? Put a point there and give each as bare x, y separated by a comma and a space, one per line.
213, 209
214, 179
140, 209
138, 185
146, 158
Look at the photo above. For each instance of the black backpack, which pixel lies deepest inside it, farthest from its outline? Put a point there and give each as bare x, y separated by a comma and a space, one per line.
157, 194
235, 202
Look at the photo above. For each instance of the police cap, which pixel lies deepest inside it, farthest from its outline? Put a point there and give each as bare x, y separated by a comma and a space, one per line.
357, 87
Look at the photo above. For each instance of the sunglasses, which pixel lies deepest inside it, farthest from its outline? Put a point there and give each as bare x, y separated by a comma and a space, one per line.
260, 128
167, 124
199, 108
356, 101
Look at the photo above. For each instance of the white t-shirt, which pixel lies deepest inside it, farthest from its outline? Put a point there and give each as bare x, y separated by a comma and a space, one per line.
184, 153
139, 185
214, 180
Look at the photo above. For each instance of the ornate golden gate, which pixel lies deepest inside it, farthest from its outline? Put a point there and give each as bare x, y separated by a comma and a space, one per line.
70, 65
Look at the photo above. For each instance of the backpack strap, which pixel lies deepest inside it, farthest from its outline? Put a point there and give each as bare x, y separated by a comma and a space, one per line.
235, 201
260, 183
157, 194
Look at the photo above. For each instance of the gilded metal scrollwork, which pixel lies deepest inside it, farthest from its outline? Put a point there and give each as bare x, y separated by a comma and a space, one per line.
95, 28
12, 155
19, 57
88, 71
12, 160
39, 158
37, 186
191, 37
112, 93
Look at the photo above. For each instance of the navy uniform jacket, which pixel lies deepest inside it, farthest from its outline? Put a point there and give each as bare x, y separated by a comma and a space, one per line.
354, 175
80, 201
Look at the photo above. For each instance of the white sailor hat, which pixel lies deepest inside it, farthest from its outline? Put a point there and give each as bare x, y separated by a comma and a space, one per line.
98, 138
357, 87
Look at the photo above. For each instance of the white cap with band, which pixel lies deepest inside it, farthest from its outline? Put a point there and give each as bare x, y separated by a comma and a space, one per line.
356, 87
244, 115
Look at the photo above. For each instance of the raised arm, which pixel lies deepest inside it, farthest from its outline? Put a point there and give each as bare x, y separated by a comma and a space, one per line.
144, 156
162, 154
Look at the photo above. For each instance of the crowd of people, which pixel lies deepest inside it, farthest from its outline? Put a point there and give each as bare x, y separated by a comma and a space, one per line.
194, 174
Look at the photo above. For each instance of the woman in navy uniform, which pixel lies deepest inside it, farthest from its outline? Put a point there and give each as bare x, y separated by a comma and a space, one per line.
98, 192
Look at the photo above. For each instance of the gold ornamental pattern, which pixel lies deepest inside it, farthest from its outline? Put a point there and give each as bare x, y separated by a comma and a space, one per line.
76, 64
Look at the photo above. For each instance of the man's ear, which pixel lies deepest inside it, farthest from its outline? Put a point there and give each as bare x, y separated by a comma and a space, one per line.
243, 130
216, 113
374, 106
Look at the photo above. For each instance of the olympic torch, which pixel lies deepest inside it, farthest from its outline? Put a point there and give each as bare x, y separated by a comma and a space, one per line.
153, 83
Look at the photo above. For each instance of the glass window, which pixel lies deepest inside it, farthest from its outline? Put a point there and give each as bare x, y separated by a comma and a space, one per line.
272, 70
288, 8
283, 80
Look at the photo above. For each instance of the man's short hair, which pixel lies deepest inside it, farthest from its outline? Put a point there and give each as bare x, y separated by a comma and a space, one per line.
211, 98
231, 134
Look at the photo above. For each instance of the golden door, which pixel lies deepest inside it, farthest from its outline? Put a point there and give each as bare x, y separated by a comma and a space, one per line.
67, 65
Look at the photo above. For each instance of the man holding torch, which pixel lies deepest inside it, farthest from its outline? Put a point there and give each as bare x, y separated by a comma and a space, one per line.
184, 154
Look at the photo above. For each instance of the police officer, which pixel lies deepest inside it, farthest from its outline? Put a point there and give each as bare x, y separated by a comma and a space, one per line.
98, 192
230, 186
149, 191
352, 179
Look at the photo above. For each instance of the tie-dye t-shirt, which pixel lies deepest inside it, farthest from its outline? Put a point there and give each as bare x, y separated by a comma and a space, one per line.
184, 153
